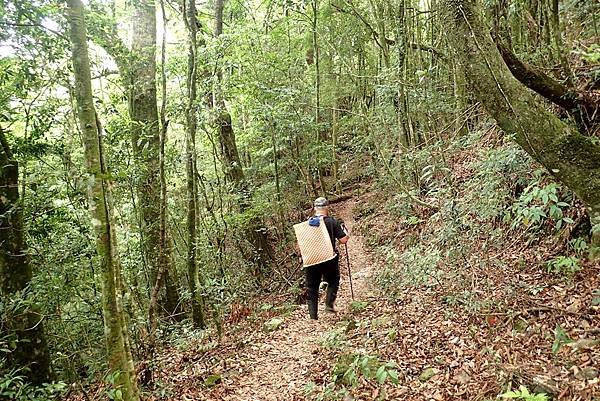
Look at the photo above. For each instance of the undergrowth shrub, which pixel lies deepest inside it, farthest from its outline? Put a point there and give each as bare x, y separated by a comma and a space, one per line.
416, 266
350, 367
566, 265
498, 173
14, 387
539, 204
334, 339
485, 199
523, 394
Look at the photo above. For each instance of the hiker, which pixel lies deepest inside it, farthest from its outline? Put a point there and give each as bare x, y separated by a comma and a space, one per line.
329, 270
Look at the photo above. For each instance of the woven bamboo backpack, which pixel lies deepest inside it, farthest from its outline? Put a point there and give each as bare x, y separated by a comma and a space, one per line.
315, 243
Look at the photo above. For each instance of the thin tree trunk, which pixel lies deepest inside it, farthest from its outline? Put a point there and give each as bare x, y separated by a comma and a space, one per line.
558, 42
401, 108
321, 134
317, 60
101, 210
25, 326
572, 158
171, 304
198, 316
232, 165
164, 250
378, 10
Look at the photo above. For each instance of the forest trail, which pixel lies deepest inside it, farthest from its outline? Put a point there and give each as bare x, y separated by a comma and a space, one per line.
445, 341
277, 366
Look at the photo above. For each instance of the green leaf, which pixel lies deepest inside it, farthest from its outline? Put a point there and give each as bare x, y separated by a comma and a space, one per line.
381, 374
560, 338
393, 376
212, 380
427, 374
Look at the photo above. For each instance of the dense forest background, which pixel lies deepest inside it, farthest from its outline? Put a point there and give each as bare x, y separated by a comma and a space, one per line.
155, 153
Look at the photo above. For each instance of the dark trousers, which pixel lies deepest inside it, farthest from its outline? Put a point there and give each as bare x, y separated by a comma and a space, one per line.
330, 272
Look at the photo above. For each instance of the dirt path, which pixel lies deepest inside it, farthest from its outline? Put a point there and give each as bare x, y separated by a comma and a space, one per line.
278, 367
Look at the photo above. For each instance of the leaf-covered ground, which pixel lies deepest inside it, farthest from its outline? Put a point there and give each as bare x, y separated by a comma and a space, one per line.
496, 323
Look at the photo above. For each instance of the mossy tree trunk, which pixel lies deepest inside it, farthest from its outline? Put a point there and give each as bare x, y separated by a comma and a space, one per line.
120, 360
580, 105
24, 325
572, 158
145, 138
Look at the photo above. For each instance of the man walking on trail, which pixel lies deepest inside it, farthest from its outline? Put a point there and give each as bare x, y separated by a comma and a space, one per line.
329, 270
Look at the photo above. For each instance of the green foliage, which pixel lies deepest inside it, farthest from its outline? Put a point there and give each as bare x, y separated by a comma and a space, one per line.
523, 394
596, 298
113, 392
329, 392
334, 339
590, 54
350, 367
15, 387
357, 306
370, 100
497, 172
539, 203
413, 220
212, 380
578, 245
467, 299
563, 265
560, 338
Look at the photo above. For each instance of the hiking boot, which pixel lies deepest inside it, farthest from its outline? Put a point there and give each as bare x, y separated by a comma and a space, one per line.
330, 309
331, 297
312, 309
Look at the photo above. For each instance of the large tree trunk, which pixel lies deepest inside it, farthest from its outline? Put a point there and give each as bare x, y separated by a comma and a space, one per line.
572, 158
198, 316
145, 137
137, 67
25, 324
101, 210
232, 164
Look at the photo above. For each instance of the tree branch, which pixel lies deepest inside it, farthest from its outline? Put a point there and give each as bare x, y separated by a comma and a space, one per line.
34, 25
375, 34
584, 110
104, 33
429, 49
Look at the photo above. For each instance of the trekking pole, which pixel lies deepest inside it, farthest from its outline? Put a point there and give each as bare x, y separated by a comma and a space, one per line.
349, 271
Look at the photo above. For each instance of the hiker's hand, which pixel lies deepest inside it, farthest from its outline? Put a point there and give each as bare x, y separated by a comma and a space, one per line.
345, 229
298, 255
